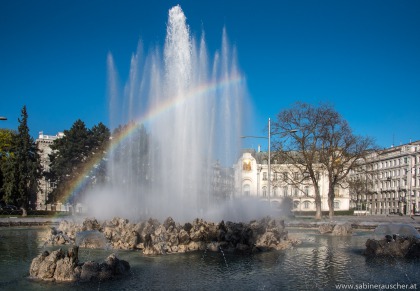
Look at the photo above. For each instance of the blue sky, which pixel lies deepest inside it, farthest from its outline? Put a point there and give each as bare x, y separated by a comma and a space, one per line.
361, 56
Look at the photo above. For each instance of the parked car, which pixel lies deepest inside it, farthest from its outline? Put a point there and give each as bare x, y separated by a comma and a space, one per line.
417, 213
9, 207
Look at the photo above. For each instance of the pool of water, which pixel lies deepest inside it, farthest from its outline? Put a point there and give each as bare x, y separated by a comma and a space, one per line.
320, 262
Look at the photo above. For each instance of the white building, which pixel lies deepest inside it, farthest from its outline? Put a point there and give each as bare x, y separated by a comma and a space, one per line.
251, 179
43, 143
392, 179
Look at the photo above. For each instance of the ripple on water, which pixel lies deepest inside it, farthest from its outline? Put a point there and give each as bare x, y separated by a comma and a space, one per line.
320, 262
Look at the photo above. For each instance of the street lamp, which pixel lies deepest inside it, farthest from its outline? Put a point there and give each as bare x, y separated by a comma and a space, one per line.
269, 152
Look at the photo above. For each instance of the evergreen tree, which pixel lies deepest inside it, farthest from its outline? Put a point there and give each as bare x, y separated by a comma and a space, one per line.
72, 153
5, 154
99, 140
22, 169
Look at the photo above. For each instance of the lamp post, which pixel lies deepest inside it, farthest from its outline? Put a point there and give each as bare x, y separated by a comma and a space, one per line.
269, 153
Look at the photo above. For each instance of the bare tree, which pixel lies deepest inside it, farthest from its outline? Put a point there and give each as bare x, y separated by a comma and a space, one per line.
340, 149
301, 148
324, 142
360, 183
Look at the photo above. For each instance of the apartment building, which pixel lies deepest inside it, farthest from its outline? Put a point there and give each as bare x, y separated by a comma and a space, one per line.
44, 143
390, 180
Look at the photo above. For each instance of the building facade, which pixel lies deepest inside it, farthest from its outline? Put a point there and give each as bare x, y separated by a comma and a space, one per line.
44, 143
390, 180
251, 179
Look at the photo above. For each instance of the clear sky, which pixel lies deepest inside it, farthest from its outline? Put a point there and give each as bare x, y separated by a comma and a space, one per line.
361, 56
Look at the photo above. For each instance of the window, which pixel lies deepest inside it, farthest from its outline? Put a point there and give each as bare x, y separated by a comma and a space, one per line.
275, 177
336, 204
337, 191
306, 204
264, 176
275, 191
295, 204
295, 175
264, 191
285, 191
295, 192
306, 191
247, 190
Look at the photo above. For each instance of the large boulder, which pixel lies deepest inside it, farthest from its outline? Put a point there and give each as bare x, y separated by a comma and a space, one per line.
326, 228
57, 265
394, 240
394, 246
64, 266
338, 229
342, 229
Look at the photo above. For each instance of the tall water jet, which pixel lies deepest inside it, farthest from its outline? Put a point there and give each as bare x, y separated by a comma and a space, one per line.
182, 112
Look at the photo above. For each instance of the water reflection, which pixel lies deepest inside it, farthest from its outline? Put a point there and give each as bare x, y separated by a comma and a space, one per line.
319, 263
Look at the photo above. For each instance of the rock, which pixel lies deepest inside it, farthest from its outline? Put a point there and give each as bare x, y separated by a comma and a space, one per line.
90, 271
397, 247
64, 267
117, 266
64, 270
213, 247
45, 264
195, 246
169, 222
54, 231
90, 224
342, 229
187, 227
92, 239
154, 238
326, 228
36, 263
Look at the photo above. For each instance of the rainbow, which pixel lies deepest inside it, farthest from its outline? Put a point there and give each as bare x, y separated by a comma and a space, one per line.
79, 184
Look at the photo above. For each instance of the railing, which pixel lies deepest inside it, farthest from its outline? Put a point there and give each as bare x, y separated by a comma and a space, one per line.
10, 211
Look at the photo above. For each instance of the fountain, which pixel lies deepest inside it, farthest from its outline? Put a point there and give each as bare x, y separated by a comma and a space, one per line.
183, 112
190, 112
